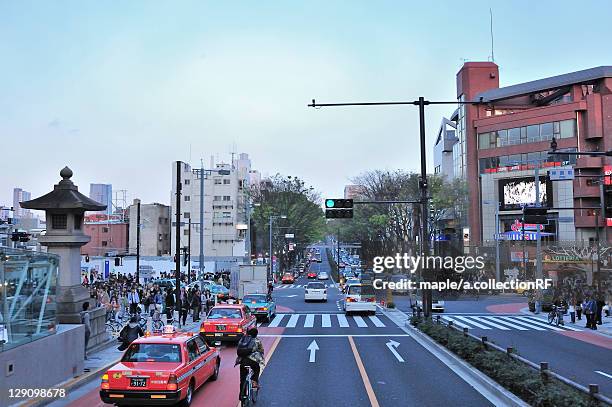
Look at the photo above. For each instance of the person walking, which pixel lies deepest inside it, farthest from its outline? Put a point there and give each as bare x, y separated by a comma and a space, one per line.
85, 320
579, 309
184, 306
170, 304
133, 300
599, 305
195, 304
572, 311
589, 309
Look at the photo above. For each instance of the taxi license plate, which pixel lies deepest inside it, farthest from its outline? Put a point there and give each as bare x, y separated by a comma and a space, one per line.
218, 334
138, 382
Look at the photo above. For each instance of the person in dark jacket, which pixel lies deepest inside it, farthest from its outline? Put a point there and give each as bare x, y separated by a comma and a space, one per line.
170, 304
196, 303
130, 333
184, 306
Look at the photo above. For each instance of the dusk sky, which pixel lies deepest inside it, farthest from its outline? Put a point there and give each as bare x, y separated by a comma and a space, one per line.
119, 90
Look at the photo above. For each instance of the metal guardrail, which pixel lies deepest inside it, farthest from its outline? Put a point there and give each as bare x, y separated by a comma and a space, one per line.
543, 367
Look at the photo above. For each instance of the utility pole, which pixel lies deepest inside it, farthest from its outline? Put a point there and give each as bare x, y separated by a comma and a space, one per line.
177, 238
188, 253
138, 242
270, 274
201, 257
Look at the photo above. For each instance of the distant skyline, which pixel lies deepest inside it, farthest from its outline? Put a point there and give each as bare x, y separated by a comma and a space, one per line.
119, 93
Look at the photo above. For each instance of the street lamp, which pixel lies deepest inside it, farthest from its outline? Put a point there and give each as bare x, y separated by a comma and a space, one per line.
272, 218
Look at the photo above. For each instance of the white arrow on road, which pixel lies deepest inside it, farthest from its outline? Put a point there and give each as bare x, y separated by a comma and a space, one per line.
313, 348
290, 296
392, 345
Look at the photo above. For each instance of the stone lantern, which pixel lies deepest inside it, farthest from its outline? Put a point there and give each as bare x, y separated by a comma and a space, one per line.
64, 208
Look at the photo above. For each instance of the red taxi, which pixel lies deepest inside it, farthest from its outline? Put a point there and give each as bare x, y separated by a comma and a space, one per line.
161, 369
311, 274
227, 323
288, 278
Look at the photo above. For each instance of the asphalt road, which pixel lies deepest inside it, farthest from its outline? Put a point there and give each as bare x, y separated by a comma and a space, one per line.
323, 358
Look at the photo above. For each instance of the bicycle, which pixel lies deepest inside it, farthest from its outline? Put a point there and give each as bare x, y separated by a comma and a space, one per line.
555, 315
248, 394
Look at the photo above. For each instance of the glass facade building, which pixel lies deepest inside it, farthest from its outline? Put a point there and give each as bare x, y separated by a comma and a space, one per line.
28, 282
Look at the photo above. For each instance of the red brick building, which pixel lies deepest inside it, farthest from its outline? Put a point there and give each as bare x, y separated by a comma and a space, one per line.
503, 138
109, 236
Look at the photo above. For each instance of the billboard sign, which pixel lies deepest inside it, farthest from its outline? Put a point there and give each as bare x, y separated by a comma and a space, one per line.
515, 193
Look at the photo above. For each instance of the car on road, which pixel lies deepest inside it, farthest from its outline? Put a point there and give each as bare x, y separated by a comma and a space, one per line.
165, 283
202, 284
260, 305
222, 293
323, 275
227, 323
288, 278
312, 274
437, 305
349, 282
163, 369
315, 291
359, 297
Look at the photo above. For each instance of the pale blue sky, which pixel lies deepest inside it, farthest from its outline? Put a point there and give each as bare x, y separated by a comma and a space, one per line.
119, 90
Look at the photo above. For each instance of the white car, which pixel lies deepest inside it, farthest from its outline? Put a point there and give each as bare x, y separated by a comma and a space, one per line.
315, 292
359, 297
436, 305
323, 276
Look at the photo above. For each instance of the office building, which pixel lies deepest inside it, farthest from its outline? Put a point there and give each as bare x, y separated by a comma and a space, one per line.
154, 229
102, 193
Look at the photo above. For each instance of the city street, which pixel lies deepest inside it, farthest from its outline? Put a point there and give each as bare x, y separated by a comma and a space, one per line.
323, 358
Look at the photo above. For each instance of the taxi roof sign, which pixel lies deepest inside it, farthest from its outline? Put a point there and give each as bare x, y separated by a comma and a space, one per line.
169, 329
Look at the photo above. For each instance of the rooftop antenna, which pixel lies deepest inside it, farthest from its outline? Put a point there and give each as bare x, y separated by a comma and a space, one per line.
233, 152
491, 19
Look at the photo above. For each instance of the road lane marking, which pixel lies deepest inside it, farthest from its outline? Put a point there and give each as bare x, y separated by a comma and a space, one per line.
604, 374
293, 321
376, 321
459, 324
364, 374
309, 323
342, 321
326, 321
523, 323
471, 321
276, 321
544, 322
392, 345
499, 324
360, 322
313, 348
541, 324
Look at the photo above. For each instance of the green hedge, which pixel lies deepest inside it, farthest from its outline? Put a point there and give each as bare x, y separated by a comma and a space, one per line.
333, 265
515, 376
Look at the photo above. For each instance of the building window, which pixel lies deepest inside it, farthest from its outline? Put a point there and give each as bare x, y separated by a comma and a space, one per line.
187, 198
186, 182
59, 221
527, 134
187, 215
227, 197
217, 198
105, 230
226, 182
186, 232
226, 215
217, 181
437, 169
104, 243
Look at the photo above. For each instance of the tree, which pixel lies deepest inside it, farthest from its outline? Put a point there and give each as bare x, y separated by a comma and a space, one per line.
301, 204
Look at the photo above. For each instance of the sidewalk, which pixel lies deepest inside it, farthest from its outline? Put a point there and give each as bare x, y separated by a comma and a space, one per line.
604, 329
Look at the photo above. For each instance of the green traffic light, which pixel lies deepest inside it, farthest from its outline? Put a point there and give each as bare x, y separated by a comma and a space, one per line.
329, 203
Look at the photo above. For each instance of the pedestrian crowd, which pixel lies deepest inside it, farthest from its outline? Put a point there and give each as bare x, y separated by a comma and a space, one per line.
593, 304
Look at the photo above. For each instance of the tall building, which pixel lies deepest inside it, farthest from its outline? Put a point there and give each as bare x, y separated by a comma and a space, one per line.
504, 138
154, 229
102, 193
19, 195
225, 208
443, 149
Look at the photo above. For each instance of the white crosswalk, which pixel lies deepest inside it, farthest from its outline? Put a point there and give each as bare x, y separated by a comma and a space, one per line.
283, 286
504, 322
324, 321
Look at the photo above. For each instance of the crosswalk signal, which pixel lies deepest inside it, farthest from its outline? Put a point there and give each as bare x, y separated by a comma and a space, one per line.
535, 215
338, 208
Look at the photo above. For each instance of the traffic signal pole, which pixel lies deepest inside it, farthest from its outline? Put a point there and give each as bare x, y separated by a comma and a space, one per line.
177, 237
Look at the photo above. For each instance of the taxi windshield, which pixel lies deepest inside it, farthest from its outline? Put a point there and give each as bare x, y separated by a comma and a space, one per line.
254, 298
152, 352
218, 313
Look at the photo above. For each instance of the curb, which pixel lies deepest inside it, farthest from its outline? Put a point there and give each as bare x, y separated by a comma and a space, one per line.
483, 384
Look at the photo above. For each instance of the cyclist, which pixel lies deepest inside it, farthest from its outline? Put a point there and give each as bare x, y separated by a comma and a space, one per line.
250, 352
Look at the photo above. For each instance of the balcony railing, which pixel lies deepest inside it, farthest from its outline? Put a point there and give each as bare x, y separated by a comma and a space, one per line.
27, 296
